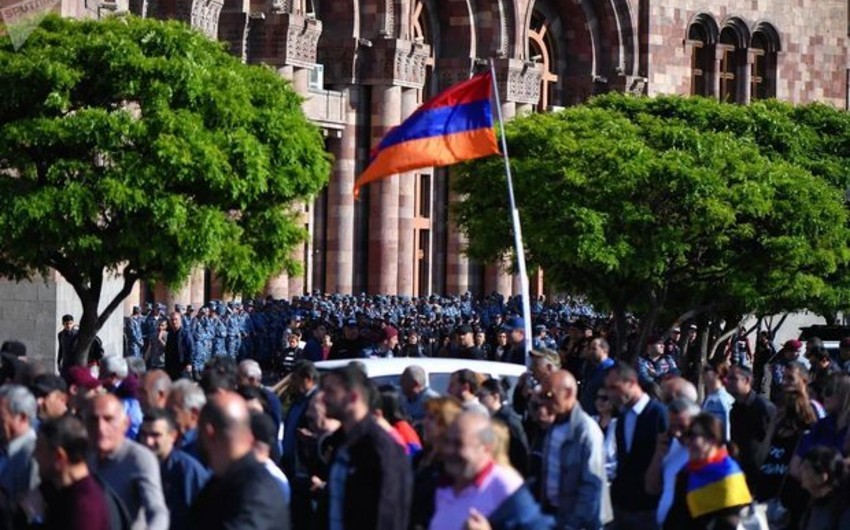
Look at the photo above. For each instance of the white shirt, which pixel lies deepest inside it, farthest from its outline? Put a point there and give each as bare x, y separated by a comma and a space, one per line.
630, 420
673, 462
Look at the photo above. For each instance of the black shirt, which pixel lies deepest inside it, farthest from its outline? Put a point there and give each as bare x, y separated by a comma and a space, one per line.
749, 422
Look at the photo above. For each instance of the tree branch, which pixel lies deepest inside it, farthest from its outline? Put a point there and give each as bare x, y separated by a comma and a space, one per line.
129, 281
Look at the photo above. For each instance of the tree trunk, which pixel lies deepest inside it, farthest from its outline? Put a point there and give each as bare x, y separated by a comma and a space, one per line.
621, 330
85, 336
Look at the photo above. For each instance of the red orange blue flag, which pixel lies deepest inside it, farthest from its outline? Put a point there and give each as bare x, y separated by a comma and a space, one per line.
454, 126
716, 484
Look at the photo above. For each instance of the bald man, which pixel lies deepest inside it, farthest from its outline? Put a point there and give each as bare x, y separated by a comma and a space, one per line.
128, 467
574, 484
153, 392
241, 494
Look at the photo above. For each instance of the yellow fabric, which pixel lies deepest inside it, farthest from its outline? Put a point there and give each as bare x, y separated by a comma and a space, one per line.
726, 493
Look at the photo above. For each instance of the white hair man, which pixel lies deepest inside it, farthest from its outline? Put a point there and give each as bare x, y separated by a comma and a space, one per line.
18, 410
414, 386
251, 375
114, 374
185, 401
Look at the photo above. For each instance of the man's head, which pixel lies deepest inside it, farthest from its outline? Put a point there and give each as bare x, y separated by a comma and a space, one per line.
621, 380
464, 334
159, 432
306, 376
463, 384
51, 394
677, 387
739, 382
81, 386
113, 370
175, 321
714, 375
17, 411
250, 373
107, 423
654, 346
491, 394
185, 401
389, 338
153, 392
469, 447
413, 381
516, 330
680, 412
561, 392
346, 393
67, 322
224, 430
265, 435
791, 349
597, 350
62, 445
544, 362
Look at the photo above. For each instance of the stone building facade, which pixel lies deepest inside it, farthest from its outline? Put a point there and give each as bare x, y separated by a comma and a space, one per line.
365, 65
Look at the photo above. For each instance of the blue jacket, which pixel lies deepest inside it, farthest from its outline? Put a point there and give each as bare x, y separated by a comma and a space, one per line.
183, 478
520, 512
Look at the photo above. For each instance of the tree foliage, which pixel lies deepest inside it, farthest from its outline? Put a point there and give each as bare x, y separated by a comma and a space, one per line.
671, 204
143, 146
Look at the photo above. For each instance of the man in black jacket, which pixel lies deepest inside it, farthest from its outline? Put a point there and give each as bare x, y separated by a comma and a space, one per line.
371, 482
179, 348
241, 494
641, 420
749, 422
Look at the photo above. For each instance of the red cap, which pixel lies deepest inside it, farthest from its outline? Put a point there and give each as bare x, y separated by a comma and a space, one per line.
81, 376
794, 345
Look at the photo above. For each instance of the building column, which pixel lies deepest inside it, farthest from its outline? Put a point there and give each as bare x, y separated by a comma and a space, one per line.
406, 209
133, 299
383, 214
457, 266
198, 285
339, 255
278, 287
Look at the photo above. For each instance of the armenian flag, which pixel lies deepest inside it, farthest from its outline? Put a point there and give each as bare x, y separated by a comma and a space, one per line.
716, 484
454, 126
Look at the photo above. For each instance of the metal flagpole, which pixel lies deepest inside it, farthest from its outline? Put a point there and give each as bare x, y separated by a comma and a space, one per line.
520, 249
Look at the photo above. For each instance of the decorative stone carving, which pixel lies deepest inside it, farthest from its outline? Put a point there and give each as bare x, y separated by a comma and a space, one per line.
518, 81
205, 15
285, 39
396, 62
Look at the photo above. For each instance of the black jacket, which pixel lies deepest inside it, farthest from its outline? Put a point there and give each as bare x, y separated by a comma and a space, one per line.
749, 425
627, 490
246, 497
518, 450
179, 351
379, 480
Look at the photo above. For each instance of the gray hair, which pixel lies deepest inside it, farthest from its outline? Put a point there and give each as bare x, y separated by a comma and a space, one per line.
136, 366
114, 365
251, 368
19, 400
683, 405
417, 375
192, 396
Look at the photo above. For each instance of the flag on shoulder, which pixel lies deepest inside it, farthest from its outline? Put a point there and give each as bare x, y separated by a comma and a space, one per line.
454, 126
716, 484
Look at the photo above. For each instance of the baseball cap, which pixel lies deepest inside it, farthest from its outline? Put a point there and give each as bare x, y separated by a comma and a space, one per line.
793, 344
45, 384
81, 376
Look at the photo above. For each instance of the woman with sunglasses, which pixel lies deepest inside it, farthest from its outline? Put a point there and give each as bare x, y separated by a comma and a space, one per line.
711, 489
606, 417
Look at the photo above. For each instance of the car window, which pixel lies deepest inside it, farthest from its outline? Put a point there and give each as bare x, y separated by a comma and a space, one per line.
440, 383
382, 380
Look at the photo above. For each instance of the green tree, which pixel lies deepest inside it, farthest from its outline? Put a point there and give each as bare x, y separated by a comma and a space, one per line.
648, 213
142, 146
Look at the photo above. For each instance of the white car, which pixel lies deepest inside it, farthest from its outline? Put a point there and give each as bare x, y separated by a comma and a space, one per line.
438, 370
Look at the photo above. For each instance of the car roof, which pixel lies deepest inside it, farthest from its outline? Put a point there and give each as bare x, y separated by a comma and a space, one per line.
396, 365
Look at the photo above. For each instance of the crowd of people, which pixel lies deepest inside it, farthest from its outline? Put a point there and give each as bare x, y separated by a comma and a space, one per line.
583, 440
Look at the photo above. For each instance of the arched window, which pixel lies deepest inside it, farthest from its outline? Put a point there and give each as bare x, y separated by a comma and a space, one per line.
763, 49
541, 49
702, 59
730, 69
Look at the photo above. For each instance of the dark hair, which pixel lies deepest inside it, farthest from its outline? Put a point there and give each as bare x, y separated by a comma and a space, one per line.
351, 377
305, 370
219, 374
708, 426
827, 461
466, 376
745, 370
15, 347
622, 371
69, 433
494, 387
391, 405
156, 414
